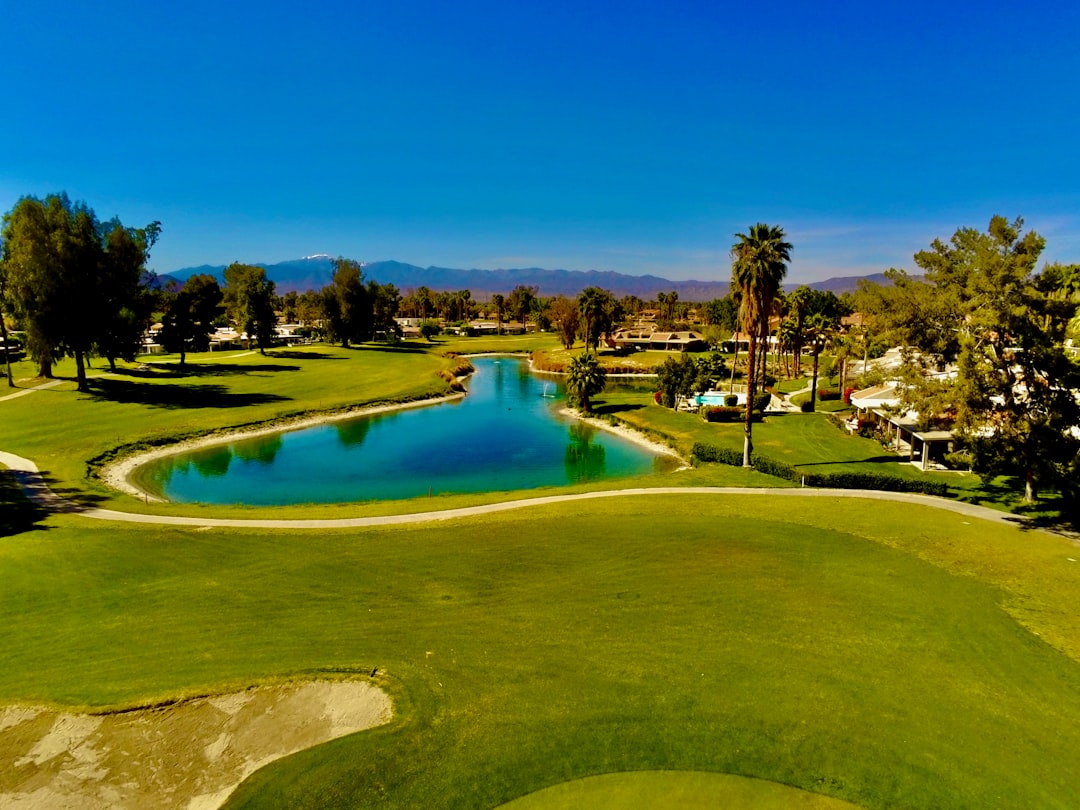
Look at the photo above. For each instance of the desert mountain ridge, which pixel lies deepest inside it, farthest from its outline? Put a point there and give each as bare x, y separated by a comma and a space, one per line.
314, 272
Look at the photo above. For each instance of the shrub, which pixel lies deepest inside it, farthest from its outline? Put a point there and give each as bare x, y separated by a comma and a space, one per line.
806, 406
703, 451
731, 400
826, 394
878, 481
960, 460
718, 413
779, 469
762, 401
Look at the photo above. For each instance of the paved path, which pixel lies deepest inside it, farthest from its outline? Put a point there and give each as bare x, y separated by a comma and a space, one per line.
22, 392
26, 473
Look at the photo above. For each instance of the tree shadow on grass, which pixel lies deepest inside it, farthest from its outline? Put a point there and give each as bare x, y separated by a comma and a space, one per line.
886, 459
177, 396
398, 348
18, 513
292, 354
173, 371
603, 409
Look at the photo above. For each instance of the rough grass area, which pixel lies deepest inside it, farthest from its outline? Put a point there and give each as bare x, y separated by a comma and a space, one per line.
878, 653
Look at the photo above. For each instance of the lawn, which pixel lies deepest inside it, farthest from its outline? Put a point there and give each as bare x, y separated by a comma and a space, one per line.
879, 653
886, 655
810, 441
62, 430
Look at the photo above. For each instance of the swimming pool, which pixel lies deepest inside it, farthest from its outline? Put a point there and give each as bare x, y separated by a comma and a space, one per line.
718, 398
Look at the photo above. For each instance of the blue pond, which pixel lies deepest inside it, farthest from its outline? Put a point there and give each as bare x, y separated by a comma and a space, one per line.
507, 434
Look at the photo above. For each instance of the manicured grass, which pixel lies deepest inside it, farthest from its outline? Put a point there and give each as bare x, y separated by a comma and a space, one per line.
806, 441
61, 429
646, 790
645, 362
493, 344
874, 653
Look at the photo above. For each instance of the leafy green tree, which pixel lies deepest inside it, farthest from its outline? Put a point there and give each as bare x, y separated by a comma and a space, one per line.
346, 305
69, 278
759, 264
722, 312
189, 316
521, 301
385, 302
499, 302
125, 294
249, 302
983, 308
566, 316
5, 307
429, 329
290, 304
584, 380
675, 378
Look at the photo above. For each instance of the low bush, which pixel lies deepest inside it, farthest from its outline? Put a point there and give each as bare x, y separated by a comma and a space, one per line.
705, 452
960, 460
731, 400
726, 413
778, 469
826, 394
806, 406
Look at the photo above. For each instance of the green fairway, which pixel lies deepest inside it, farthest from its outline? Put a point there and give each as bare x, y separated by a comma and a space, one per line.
829, 646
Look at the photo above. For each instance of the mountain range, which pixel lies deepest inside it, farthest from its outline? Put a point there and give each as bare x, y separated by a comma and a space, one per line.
314, 272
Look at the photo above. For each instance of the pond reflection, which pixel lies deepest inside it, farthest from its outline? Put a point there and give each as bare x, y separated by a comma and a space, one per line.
585, 459
508, 433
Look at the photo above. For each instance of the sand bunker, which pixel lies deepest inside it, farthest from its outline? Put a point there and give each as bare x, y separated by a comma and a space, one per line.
191, 754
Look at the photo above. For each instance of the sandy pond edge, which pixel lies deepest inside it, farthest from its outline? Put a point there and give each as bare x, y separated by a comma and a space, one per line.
117, 474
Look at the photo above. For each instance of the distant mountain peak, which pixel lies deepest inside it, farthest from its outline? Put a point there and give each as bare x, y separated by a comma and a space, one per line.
315, 271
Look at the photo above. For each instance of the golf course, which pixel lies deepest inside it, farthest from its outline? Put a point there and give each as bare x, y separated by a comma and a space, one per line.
727, 645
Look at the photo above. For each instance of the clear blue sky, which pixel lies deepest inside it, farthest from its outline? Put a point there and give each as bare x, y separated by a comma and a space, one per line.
627, 136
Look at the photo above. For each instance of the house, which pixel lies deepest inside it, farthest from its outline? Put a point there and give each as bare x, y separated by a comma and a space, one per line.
879, 406
678, 341
637, 338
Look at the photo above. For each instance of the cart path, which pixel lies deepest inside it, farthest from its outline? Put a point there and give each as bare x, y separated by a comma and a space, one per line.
29, 479
22, 392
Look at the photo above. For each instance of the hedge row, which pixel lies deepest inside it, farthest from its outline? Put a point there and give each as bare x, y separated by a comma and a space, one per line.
726, 413
703, 451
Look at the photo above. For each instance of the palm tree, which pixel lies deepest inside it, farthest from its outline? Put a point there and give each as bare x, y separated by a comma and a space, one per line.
591, 304
584, 380
759, 263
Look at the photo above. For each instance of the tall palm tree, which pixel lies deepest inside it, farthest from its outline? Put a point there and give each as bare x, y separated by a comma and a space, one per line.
591, 303
758, 265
